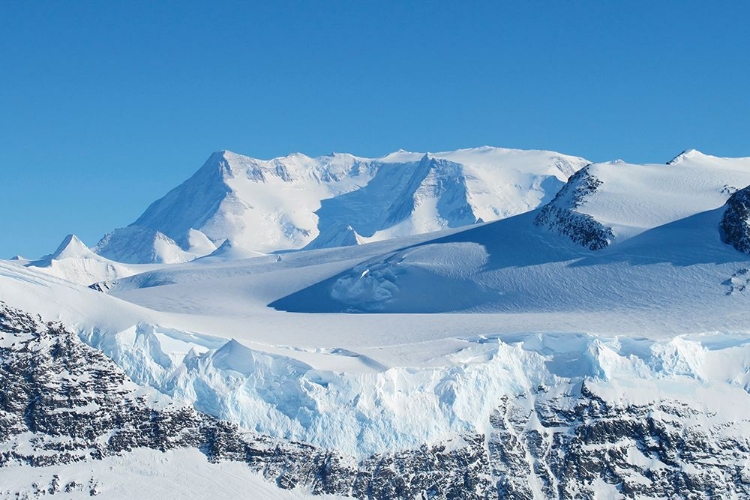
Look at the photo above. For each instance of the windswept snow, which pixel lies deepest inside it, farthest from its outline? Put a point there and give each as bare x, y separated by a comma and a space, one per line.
663, 280
145, 474
60, 299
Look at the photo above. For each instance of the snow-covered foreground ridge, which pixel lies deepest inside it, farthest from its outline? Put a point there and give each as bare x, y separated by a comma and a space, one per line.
575, 417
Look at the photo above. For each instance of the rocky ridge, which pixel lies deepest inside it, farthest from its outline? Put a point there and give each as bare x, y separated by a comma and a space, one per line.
560, 214
63, 401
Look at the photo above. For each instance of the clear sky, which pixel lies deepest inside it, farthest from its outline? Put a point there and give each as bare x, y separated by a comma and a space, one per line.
105, 106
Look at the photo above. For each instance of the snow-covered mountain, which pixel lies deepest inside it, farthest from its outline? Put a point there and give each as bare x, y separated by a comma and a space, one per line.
297, 201
671, 224
597, 346
608, 203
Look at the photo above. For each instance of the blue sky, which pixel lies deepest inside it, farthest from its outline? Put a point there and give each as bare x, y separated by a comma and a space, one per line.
105, 106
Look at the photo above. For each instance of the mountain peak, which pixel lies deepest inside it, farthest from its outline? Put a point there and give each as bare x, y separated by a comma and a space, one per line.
230, 250
296, 155
218, 156
688, 154
71, 247
401, 155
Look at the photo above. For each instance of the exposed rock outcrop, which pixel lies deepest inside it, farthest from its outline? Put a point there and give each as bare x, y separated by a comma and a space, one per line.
560, 215
735, 223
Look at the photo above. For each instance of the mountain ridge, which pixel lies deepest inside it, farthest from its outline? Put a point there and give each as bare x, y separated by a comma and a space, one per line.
284, 203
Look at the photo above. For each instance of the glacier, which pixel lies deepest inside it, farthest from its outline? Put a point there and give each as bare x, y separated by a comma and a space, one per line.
402, 408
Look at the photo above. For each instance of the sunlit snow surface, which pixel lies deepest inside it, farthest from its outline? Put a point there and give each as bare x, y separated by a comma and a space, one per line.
352, 356
144, 474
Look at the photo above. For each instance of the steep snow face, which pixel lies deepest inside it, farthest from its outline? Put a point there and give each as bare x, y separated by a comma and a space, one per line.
412, 195
271, 204
140, 245
402, 199
521, 179
294, 201
611, 202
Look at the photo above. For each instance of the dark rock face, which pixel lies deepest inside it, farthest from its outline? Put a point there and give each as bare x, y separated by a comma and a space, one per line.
662, 450
734, 228
738, 282
560, 216
62, 401
102, 286
69, 396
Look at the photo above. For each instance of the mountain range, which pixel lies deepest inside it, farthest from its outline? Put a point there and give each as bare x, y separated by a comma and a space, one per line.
483, 323
297, 201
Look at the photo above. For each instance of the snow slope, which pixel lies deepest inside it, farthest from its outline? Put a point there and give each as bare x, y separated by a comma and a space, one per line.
617, 200
669, 262
379, 384
144, 474
294, 201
